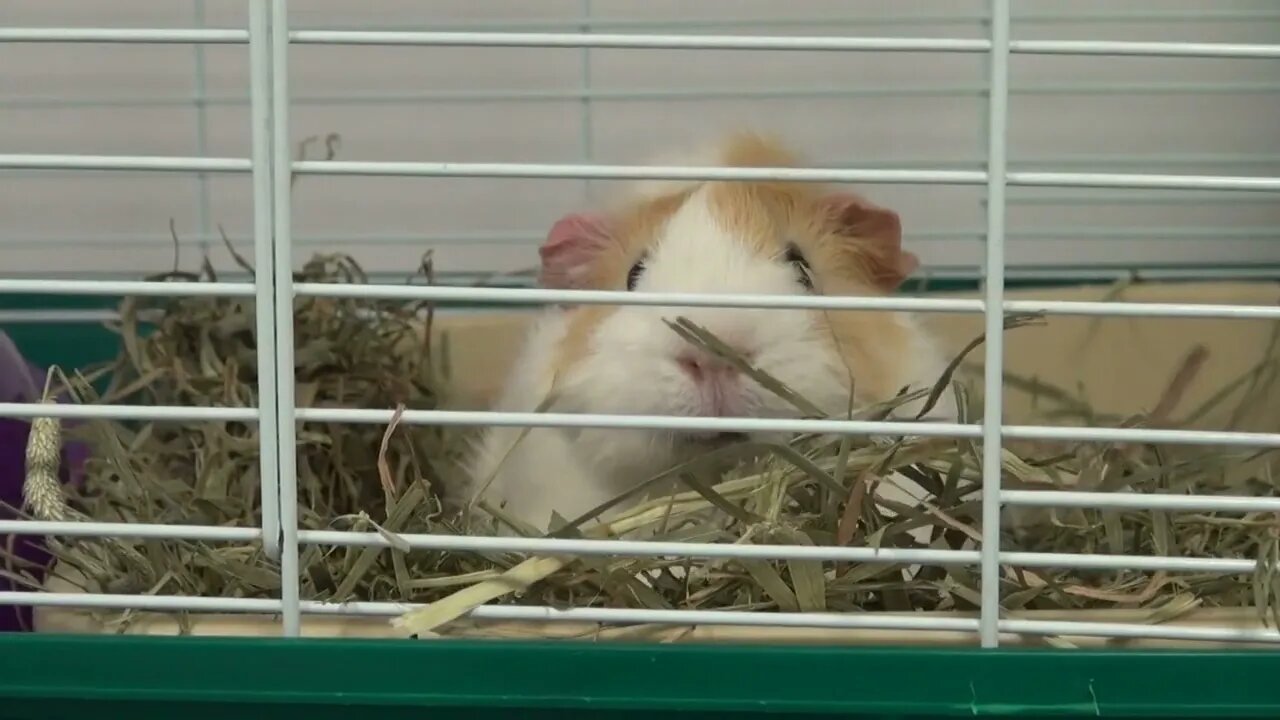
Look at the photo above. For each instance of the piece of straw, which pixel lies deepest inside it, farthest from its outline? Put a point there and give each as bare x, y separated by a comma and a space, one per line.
42, 489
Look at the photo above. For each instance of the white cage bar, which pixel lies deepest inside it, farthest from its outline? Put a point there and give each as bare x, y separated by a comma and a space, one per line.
282, 212
640, 41
627, 548
264, 281
268, 38
675, 95
993, 299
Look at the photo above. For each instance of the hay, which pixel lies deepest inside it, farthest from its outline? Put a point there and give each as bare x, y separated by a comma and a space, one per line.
202, 353
822, 491
809, 490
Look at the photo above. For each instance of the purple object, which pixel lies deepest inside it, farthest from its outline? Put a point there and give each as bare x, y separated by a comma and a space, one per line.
22, 381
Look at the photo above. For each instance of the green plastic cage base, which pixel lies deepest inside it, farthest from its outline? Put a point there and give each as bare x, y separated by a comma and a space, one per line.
50, 676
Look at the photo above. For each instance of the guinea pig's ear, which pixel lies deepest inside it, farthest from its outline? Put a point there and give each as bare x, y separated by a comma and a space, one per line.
876, 235
572, 246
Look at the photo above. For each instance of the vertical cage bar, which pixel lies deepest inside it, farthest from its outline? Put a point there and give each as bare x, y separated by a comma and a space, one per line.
201, 102
983, 20
264, 285
586, 136
282, 172
993, 286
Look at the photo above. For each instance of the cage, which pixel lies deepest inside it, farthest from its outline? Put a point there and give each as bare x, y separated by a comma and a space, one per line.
274, 170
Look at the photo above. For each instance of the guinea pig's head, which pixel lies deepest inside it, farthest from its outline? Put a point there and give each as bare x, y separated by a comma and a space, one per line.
742, 238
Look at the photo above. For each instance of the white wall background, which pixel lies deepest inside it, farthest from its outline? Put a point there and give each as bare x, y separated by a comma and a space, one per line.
565, 105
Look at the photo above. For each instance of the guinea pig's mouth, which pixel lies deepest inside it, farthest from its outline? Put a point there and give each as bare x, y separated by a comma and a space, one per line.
713, 438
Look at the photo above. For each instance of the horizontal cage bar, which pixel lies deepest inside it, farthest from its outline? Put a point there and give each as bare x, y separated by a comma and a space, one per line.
968, 273
648, 422
1147, 49
634, 172
658, 94
123, 35
886, 176
645, 172
1139, 181
170, 603
607, 23
1143, 309
745, 424
1092, 561
1261, 232
158, 603
637, 41
96, 529
1135, 630
124, 162
1142, 501
539, 296
975, 19
630, 548
21, 286
613, 616
154, 413
756, 42
645, 41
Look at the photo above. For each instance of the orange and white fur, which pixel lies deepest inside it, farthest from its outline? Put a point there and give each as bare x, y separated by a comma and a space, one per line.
769, 238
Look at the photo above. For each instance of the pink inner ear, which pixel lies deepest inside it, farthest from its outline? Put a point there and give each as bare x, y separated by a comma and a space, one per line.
573, 244
908, 263
878, 232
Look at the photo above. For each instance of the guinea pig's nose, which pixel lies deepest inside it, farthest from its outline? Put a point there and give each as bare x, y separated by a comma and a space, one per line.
691, 365
700, 366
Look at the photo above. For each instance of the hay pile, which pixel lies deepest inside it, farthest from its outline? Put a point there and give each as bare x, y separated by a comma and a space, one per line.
202, 352
812, 490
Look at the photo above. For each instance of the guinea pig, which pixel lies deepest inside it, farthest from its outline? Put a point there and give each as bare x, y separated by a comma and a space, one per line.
767, 238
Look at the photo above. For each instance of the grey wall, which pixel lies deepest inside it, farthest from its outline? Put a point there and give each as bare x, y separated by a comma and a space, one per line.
413, 104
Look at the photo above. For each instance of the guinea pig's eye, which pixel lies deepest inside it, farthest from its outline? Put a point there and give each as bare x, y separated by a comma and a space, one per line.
633, 276
797, 261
